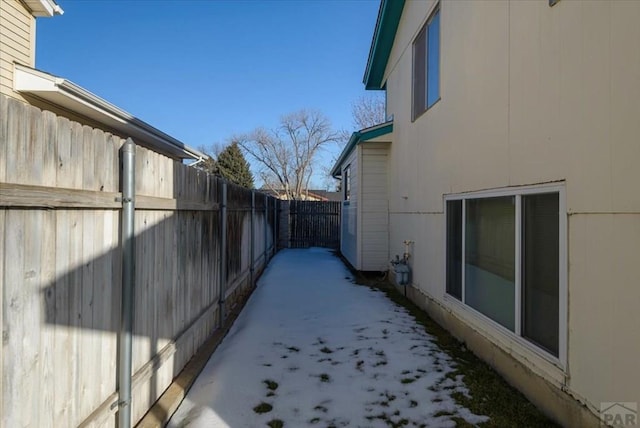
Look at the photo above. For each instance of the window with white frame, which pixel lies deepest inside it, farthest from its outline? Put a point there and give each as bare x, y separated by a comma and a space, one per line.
503, 260
426, 65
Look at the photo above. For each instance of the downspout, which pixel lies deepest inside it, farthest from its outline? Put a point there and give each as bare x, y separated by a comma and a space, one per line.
253, 239
223, 252
128, 283
196, 162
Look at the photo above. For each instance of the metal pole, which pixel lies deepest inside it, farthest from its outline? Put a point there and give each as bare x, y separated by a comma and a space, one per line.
253, 222
223, 251
128, 283
266, 230
275, 226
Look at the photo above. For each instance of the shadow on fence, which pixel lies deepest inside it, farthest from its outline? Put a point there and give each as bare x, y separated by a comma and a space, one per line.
61, 267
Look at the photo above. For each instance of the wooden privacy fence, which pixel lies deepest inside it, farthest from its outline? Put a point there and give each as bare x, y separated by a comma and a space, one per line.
314, 224
61, 267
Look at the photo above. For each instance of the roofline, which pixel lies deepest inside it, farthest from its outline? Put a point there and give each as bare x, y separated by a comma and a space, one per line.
44, 8
360, 137
73, 97
383, 36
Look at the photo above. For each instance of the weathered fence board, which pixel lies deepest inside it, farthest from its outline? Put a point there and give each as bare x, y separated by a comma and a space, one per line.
61, 268
314, 224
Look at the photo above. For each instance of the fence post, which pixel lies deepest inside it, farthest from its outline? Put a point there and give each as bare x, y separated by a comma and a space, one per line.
266, 229
128, 283
253, 250
275, 225
223, 251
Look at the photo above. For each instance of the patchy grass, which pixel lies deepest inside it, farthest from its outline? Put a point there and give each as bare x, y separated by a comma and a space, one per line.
272, 385
489, 393
325, 378
263, 408
275, 423
326, 350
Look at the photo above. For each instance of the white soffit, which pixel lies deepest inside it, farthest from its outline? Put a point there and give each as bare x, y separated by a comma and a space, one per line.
43, 8
66, 94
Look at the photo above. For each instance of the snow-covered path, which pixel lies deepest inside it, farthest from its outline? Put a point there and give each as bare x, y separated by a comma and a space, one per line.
312, 349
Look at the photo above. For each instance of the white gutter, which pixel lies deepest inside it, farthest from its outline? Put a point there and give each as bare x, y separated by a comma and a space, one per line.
66, 94
44, 8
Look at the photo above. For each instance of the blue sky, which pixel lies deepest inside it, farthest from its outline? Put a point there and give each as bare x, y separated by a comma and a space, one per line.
205, 70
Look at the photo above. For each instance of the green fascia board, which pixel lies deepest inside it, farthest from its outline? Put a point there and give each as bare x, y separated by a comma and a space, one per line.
357, 138
383, 36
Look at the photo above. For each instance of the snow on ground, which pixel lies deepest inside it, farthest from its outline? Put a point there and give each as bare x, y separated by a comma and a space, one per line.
322, 351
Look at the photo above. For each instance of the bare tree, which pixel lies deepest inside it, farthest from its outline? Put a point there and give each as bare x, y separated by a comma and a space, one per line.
287, 153
368, 111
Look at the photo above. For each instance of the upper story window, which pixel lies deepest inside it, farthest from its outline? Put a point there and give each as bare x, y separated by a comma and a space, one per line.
426, 65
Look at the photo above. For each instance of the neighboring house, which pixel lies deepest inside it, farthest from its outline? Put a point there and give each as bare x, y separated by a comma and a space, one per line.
512, 170
307, 195
20, 80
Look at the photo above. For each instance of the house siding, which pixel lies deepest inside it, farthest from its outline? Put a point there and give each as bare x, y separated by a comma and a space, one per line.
17, 36
532, 94
374, 207
349, 229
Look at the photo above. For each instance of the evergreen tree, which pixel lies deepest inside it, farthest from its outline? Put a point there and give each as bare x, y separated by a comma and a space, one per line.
233, 166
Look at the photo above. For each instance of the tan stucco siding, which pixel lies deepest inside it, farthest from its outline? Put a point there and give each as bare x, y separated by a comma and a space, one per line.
17, 37
532, 94
374, 207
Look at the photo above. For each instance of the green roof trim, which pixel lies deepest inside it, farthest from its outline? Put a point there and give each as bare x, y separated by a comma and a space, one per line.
382, 42
357, 138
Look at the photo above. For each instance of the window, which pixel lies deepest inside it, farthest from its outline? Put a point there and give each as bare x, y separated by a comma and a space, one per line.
426, 65
346, 183
503, 260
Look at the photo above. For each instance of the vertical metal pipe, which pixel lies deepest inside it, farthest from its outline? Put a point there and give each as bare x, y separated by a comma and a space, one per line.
275, 225
128, 283
223, 251
253, 232
266, 230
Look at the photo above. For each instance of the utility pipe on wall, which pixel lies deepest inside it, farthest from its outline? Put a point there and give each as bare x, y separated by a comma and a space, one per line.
128, 283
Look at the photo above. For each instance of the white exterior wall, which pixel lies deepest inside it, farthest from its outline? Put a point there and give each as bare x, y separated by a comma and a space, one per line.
349, 227
532, 94
374, 207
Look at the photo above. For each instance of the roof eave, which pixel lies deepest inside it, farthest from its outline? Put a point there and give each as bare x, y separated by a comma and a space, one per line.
357, 138
383, 36
44, 8
67, 94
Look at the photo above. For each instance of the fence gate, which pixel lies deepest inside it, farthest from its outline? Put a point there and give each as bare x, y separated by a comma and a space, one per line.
314, 224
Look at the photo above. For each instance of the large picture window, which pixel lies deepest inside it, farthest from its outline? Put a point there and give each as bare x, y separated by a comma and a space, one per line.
503, 260
426, 65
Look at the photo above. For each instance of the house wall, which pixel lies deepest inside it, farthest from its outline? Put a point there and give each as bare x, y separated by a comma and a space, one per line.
374, 214
531, 94
349, 228
17, 42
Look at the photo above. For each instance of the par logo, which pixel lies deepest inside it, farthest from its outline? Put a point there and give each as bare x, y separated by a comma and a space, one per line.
619, 414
